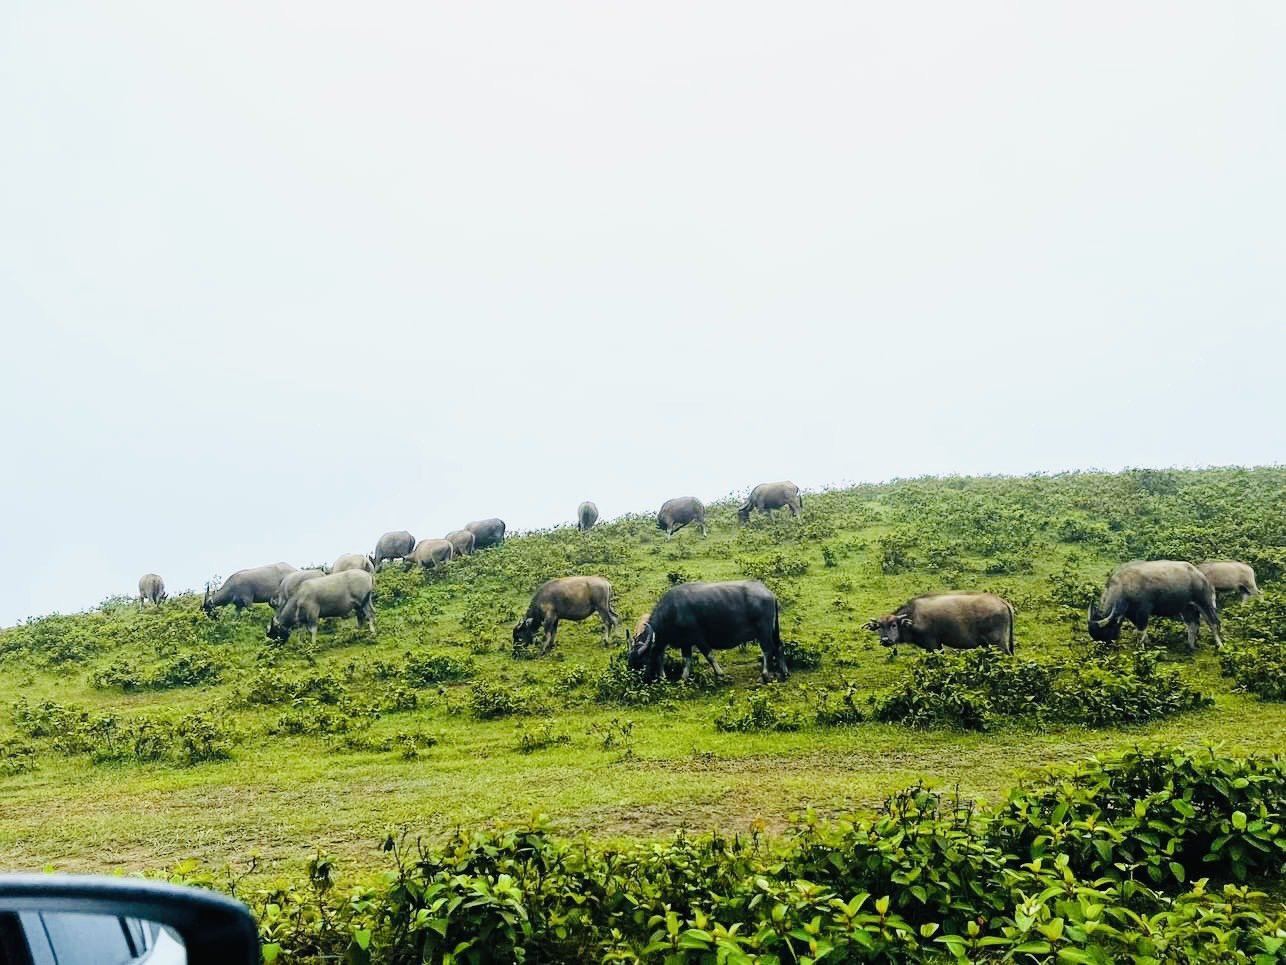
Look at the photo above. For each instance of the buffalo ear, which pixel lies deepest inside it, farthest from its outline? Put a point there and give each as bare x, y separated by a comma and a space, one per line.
871, 625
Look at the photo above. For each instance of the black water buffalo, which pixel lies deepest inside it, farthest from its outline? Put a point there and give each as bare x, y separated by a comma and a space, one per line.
333, 595
708, 617
958, 621
487, 532
679, 512
1141, 590
1230, 576
769, 496
431, 552
151, 589
570, 598
352, 561
290, 583
463, 541
586, 516
245, 587
396, 545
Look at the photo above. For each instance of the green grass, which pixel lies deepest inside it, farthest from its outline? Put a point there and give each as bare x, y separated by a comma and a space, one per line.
284, 797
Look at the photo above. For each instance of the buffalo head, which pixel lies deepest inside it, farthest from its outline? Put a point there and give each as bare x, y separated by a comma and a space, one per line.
893, 628
525, 631
639, 655
1104, 629
207, 604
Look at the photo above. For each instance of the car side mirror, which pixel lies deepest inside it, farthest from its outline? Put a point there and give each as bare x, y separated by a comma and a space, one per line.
58, 918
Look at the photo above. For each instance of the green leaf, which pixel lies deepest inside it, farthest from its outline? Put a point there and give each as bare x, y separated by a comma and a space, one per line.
1239, 820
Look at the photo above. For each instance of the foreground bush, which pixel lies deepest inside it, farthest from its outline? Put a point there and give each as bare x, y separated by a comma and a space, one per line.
1256, 659
1134, 858
974, 689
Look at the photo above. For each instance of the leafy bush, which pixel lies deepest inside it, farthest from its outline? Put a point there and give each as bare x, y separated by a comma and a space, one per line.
185, 671
759, 711
1257, 668
312, 717
1094, 865
970, 690
540, 737
188, 740
838, 708
430, 667
801, 656
491, 700
16, 758
266, 686
620, 685
774, 566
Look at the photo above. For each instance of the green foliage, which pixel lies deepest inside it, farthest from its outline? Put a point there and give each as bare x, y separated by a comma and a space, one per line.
191, 739
539, 737
16, 757
185, 671
310, 716
801, 656
266, 686
773, 566
758, 712
838, 708
435, 667
1140, 857
972, 689
489, 701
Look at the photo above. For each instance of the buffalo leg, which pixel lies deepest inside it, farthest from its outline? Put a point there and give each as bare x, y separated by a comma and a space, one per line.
714, 664
551, 633
687, 663
1212, 618
609, 624
313, 632
1192, 622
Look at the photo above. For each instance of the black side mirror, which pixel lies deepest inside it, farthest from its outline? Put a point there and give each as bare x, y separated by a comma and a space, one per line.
63, 918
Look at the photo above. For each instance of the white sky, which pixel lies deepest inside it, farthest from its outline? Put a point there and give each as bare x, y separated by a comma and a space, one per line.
277, 277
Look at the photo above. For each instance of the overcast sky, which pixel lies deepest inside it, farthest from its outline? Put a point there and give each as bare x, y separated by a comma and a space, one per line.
276, 277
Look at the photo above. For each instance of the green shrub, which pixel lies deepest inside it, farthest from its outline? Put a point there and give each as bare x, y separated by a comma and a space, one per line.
185, 671
540, 737
760, 711
16, 758
1257, 668
801, 656
188, 740
267, 686
974, 688
489, 701
1133, 858
773, 566
838, 708
620, 685
430, 667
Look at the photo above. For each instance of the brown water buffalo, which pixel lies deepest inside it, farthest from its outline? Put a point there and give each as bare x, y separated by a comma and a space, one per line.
463, 541
245, 587
708, 617
151, 589
432, 552
679, 512
1141, 590
569, 598
958, 621
586, 516
769, 496
333, 595
1230, 576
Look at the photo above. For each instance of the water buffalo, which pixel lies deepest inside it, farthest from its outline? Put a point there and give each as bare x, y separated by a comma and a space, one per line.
396, 545
430, 552
960, 621
1140, 590
463, 541
151, 589
677, 513
769, 496
586, 516
1230, 576
290, 583
570, 598
352, 561
333, 595
708, 617
487, 532
245, 587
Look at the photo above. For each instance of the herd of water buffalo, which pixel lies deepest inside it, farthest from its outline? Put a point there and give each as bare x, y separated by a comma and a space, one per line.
707, 617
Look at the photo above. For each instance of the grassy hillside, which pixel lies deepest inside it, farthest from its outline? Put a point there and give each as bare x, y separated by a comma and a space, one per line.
135, 738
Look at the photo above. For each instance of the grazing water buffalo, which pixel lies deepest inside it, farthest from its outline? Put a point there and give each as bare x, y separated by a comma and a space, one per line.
430, 552
352, 561
151, 589
960, 621
708, 617
290, 583
586, 516
679, 512
333, 595
463, 541
1141, 590
245, 587
1230, 576
569, 598
487, 532
396, 545
769, 496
